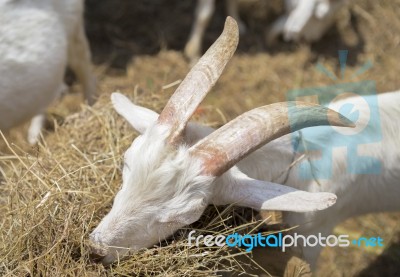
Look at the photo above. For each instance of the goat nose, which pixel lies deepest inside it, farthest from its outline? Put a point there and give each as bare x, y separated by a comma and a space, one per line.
96, 257
97, 252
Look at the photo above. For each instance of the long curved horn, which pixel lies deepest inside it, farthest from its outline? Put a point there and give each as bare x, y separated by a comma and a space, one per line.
201, 78
235, 140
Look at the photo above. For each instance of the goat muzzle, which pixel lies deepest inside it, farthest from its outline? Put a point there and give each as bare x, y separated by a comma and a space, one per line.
97, 252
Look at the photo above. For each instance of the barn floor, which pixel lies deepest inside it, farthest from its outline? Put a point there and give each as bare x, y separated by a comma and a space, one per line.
137, 50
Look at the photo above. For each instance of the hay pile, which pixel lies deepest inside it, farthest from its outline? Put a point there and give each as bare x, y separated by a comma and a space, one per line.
52, 198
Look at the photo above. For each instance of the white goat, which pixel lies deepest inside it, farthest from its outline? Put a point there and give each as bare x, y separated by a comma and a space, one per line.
169, 177
38, 39
364, 175
304, 20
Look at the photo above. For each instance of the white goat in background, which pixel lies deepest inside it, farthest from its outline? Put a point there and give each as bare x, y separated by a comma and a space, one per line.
304, 20
38, 39
204, 11
170, 176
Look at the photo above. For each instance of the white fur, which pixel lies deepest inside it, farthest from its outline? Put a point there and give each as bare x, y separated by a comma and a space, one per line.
305, 20
38, 39
357, 194
163, 187
163, 191
159, 194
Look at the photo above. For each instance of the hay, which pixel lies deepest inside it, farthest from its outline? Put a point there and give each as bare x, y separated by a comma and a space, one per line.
53, 198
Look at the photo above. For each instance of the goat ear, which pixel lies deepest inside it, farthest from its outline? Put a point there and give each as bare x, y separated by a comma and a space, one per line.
185, 214
239, 189
141, 118
138, 117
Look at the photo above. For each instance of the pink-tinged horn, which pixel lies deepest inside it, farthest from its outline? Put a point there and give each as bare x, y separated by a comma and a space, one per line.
226, 146
201, 78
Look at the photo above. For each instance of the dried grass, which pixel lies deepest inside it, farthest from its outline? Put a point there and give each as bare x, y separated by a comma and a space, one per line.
53, 198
